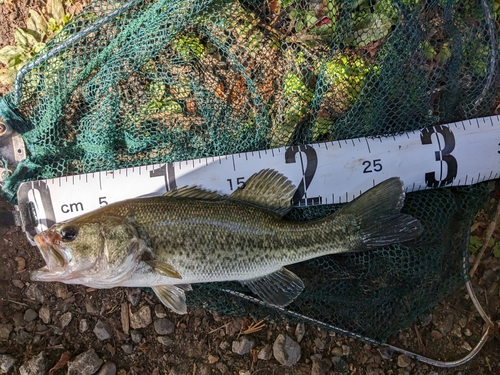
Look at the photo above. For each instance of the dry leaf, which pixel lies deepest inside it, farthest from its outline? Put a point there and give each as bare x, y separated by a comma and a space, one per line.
61, 363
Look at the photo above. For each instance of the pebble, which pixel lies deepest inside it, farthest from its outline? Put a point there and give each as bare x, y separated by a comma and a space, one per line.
286, 350
385, 352
244, 372
5, 330
319, 365
62, 291
319, 343
212, 359
165, 340
337, 351
6, 363
102, 330
34, 366
340, 366
446, 325
300, 331
87, 363
346, 350
242, 345
224, 345
403, 361
265, 353
134, 296
467, 332
109, 368
163, 326
83, 325
142, 318
160, 311
128, 348
90, 307
466, 346
44, 314
18, 283
30, 315
436, 335
35, 294
65, 319
136, 336
221, 367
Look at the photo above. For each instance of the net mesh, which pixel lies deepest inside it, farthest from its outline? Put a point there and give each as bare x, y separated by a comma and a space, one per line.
141, 82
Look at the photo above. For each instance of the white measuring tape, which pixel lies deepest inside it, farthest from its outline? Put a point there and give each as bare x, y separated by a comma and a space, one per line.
462, 153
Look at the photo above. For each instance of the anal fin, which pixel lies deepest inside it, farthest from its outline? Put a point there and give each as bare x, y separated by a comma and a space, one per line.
172, 296
278, 288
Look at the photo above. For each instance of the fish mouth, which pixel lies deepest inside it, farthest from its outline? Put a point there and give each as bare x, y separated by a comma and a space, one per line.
55, 261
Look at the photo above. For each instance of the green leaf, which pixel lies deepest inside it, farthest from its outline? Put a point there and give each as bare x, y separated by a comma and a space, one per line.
38, 47
496, 249
36, 23
20, 38
56, 10
7, 53
475, 244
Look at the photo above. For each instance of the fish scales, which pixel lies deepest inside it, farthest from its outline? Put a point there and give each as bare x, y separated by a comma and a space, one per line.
191, 235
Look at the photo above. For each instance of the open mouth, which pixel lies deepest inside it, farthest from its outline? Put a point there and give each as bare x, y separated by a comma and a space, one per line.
52, 257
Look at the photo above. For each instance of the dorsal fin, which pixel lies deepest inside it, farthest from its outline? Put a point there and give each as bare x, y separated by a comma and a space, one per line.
268, 189
195, 193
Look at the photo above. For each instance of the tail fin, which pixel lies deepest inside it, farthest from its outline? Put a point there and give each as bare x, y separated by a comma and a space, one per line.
377, 212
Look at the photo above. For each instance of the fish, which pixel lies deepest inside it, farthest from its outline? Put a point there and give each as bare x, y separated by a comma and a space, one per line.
191, 235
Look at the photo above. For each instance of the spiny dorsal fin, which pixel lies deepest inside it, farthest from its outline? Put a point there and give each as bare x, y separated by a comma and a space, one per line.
269, 189
172, 296
164, 268
278, 288
195, 193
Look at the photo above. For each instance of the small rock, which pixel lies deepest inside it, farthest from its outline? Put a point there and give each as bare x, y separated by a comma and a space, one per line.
87, 363
5, 330
265, 353
319, 343
109, 368
337, 351
160, 311
436, 335
18, 283
467, 332
136, 336
83, 325
224, 345
128, 348
286, 350
425, 319
34, 366
91, 307
23, 337
340, 366
30, 315
102, 330
466, 346
221, 367
319, 365
300, 331
446, 325
61, 290
44, 314
6, 363
165, 340
462, 322
242, 345
142, 318
134, 296
244, 372
65, 319
346, 350
35, 294
403, 361
212, 359
385, 352
163, 326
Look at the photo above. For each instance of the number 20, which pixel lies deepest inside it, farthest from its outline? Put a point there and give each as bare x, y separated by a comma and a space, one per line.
377, 167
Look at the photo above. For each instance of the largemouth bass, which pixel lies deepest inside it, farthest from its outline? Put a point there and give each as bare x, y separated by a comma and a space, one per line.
191, 235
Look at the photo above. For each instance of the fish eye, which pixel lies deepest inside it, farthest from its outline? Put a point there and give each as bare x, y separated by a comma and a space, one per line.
68, 233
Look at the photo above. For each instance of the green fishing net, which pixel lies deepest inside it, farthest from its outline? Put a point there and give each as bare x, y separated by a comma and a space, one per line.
141, 82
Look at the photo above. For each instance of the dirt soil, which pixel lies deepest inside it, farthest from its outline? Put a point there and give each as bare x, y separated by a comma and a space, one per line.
130, 333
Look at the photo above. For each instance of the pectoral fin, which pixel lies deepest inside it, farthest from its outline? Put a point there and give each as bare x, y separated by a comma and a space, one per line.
278, 288
164, 268
172, 296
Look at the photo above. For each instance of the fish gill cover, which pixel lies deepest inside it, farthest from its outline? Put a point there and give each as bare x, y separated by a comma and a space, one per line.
136, 82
